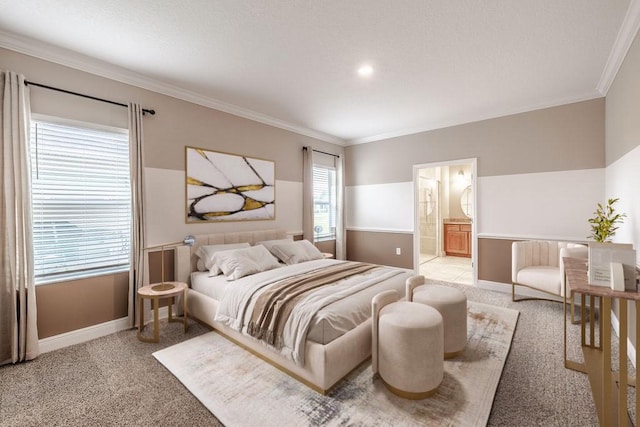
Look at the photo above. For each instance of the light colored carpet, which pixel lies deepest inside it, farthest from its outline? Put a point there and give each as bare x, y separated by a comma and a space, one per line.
114, 380
228, 380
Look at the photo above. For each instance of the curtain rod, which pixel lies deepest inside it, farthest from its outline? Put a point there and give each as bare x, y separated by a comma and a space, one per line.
27, 83
323, 152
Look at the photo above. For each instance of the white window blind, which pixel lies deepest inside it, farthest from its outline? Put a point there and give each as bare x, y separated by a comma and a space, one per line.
324, 202
81, 201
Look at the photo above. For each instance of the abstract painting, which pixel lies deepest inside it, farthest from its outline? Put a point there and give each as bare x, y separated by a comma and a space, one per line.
228, 187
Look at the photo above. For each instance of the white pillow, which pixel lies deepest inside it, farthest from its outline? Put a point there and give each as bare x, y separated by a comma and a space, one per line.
296, 252
269, 244
243, 262
206, 253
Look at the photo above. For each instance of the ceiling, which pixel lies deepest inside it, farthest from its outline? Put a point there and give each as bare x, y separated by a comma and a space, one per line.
293, 63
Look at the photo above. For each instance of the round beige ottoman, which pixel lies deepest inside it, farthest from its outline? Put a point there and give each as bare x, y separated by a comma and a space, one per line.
410, 346
452, 305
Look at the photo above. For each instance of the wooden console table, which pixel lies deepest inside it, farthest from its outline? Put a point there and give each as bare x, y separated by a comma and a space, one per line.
609, 389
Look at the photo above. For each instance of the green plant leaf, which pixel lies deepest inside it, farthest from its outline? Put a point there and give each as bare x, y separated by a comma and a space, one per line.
603, 224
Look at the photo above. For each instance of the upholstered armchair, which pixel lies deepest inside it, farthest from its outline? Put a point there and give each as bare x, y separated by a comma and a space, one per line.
538, 265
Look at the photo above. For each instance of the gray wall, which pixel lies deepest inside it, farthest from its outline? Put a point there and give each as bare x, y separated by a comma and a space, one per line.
562, 140
64, 307
553, 139
623, 154
623, 108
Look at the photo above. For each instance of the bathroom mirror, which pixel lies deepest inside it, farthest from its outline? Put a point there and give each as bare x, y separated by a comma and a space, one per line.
466, 202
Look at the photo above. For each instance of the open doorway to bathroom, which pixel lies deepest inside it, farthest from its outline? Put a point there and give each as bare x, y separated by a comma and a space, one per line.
444, 235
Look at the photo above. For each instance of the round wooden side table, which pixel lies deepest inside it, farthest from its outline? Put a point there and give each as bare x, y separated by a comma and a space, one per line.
156, 292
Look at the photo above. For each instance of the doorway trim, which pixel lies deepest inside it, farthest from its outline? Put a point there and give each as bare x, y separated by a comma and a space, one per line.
474, 222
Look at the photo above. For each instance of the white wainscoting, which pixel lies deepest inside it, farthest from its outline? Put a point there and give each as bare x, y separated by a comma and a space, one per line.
553, 205
548, 204
621, 181
386, 207
622, 178
166, 209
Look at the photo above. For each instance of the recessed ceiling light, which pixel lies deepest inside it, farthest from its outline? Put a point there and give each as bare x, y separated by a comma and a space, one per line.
365, 71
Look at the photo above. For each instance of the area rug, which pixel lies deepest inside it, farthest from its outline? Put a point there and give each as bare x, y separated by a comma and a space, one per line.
241, 389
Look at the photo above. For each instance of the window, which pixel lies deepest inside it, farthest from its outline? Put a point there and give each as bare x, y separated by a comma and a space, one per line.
81, 201
324, 202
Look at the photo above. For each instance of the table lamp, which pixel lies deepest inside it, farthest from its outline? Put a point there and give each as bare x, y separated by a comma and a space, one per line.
162, 286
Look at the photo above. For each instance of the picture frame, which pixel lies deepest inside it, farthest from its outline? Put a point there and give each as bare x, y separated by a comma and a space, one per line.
224, 187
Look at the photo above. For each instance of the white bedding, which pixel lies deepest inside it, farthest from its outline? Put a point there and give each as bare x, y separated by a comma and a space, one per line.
213, 287
340, 317
334, 316
329, 323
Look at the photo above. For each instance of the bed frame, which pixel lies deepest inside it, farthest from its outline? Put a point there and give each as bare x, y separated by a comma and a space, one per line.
325, 364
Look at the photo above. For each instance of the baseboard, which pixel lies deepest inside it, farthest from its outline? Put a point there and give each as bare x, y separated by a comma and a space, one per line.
89, 333
82, 335
631, 350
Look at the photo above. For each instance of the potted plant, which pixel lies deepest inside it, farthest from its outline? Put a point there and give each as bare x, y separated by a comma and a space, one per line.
603, 224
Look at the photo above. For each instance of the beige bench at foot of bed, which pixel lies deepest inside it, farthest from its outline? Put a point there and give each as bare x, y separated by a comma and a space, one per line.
325, 364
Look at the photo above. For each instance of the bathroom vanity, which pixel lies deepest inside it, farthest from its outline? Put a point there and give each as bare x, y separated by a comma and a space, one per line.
457, 238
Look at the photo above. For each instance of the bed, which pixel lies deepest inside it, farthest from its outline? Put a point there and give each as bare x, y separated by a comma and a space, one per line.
329, 352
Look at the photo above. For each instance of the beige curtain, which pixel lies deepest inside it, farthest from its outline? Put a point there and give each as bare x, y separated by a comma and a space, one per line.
18, 315
341, 233
307, 193
138, 238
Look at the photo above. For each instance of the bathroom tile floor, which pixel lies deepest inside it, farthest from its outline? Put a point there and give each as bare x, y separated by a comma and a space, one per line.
448, 269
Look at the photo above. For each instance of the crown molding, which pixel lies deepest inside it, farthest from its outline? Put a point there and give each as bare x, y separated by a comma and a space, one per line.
65, 57
477, 118
81, 62
626, 35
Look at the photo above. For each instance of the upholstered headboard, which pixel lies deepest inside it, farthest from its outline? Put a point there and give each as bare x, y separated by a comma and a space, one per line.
186, 259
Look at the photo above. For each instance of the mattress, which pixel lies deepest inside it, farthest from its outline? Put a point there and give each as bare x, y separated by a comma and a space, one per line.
213, 287
330, 322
